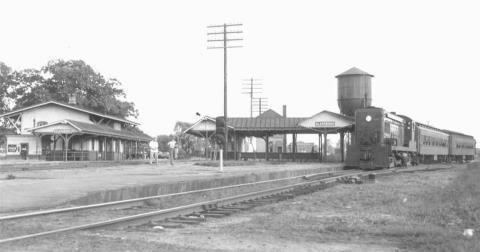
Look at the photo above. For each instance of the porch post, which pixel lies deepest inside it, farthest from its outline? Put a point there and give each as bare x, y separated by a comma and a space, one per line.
64, 148
342, 146
81, 148
105, 148
325, 147
294, 146
266, 147
320, 147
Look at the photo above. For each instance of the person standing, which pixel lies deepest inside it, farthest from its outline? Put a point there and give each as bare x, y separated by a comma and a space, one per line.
153, 151
171, 145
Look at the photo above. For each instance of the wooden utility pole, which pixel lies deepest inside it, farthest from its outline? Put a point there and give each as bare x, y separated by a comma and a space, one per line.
215, 32
262, 104
251, 88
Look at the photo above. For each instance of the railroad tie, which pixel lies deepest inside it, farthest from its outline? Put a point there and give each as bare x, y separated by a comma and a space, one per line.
185, 221
214, 215
217, 211
192, 217
286, 196
233, 210
238, 207
171, 225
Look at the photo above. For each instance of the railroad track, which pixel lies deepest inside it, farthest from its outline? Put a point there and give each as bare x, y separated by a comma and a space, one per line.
197, 212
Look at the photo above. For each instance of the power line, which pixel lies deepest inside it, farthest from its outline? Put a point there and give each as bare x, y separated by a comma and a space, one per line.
252, 88
262, 104
213, 39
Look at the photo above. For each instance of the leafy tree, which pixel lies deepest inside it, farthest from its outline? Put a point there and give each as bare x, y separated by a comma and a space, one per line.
185, 141
59, 79
5, 72
162, 141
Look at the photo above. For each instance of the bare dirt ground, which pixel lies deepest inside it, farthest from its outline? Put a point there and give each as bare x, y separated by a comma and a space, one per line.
408, 212
37, 189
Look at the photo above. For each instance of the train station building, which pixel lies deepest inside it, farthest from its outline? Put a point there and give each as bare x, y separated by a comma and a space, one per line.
272, 129
354, 91
55, 131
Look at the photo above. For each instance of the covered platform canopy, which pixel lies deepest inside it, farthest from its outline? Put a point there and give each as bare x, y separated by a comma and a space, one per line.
108, 138
271, 123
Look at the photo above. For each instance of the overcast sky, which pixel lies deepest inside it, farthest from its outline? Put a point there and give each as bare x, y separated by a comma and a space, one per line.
425, 55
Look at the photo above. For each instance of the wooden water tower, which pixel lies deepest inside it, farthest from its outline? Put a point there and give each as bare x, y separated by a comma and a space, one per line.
354, 90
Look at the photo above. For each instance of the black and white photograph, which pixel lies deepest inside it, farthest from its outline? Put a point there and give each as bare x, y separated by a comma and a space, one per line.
227, 126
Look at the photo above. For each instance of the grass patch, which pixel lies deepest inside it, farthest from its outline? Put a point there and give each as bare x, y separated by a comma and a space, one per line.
413, 212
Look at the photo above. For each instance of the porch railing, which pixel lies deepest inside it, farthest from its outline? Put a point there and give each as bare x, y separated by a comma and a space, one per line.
73, 155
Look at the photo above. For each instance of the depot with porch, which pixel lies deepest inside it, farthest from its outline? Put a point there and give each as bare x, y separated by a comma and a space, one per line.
55, 131
270, 125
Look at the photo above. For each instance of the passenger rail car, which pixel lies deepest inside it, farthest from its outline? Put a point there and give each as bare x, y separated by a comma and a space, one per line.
460, 147
383, 140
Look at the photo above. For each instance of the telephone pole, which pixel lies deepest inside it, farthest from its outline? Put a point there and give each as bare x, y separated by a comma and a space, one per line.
262, 103
251, 88
218, 38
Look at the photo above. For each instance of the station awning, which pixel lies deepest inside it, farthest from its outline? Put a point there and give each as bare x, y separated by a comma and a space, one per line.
71, 127
323, 122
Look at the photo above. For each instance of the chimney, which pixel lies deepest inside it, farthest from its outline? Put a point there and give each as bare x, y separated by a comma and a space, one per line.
72, 99
284, 111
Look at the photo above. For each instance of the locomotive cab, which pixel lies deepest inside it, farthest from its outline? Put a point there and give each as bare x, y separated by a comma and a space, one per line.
369, 150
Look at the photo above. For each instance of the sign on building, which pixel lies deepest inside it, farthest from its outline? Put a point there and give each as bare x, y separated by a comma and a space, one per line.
12, 148
325, 124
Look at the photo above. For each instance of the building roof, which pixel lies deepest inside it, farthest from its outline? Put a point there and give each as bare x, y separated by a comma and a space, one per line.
273, 123
96, 129
327, 121
74, 107
269, 114
264, 124
354, 71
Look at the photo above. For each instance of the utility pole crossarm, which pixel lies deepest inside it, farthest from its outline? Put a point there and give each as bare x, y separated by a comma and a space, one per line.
216, 40
228, 32
224, 25
225, 46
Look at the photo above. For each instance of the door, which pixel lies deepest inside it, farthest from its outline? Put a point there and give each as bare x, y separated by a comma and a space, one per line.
24, 150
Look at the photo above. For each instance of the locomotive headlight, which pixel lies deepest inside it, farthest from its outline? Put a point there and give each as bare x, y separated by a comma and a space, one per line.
368, 118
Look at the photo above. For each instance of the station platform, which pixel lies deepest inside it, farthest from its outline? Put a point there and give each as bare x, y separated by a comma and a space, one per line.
48, 188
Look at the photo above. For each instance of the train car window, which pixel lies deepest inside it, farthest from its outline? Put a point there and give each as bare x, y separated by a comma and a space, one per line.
387, 127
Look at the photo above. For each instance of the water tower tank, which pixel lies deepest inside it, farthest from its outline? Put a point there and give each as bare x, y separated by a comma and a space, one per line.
354, 90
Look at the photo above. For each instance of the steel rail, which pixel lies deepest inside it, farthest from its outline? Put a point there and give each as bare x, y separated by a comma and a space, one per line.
175, 211
156, 197
192, 208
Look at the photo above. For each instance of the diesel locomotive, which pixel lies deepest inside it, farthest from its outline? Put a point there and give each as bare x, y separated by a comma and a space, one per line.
383, 140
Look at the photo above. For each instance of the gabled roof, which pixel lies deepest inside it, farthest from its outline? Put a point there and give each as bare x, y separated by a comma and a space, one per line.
73, 108
354, 71
97, 129
196, 126
327, 120
270, 114
345, 117
276, 124
266, 124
